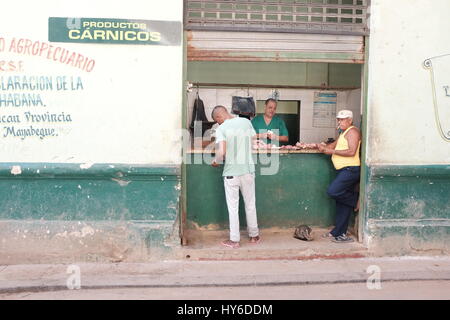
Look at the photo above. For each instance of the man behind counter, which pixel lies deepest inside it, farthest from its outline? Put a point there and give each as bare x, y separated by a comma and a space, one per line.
266, 124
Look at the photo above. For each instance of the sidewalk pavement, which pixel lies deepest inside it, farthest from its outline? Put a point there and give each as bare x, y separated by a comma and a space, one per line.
186, 273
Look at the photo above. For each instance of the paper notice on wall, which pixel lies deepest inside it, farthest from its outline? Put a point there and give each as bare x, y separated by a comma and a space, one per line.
324, 111
440, 71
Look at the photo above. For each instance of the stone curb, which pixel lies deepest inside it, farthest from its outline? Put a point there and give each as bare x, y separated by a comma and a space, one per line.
130, 281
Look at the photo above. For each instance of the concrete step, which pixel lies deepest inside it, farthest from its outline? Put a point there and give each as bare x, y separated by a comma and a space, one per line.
276, 244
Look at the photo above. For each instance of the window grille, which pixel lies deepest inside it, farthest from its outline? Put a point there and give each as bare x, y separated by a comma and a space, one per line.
298, 16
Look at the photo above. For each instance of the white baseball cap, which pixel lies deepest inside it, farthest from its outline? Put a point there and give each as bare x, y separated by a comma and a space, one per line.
343, 114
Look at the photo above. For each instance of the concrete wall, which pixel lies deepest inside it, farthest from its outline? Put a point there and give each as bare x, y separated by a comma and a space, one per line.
406, 201
128, 97
105, 184
403, 127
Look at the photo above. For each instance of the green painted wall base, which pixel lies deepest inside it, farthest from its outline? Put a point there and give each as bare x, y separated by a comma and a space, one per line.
35, 241
418, 237
100, 192
275, 73
408, 209
295, 194
104, 212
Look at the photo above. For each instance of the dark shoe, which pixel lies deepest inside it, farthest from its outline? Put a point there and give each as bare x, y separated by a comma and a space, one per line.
342, 239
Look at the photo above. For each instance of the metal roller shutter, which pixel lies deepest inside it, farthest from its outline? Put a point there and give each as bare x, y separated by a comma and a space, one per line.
269, 47
297, 16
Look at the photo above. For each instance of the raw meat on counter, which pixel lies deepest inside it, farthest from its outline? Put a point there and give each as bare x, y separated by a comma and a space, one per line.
300, 146
307, 146
261, 145
289, 147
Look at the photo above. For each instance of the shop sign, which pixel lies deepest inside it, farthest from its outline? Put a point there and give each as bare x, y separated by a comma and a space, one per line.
114, 31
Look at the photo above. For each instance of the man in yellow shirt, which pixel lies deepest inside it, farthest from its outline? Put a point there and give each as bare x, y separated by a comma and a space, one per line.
345, 157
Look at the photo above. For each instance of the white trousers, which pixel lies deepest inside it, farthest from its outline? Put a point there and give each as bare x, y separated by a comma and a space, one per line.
246, 184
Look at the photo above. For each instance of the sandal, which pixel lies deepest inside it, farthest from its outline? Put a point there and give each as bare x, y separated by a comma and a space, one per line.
230, 244
255, 240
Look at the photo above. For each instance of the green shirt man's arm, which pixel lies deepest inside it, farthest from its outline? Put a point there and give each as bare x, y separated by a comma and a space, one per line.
257, 128
284, 134
221, 148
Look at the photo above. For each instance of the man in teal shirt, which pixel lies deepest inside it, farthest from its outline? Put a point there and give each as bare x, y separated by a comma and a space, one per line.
234, 139
269, 127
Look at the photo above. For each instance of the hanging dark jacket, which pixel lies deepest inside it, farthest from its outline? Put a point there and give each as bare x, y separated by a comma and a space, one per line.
198, 112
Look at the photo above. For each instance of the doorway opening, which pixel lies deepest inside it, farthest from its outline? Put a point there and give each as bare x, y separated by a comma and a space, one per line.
316, 75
